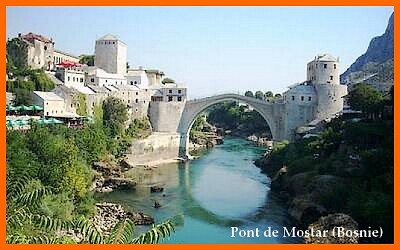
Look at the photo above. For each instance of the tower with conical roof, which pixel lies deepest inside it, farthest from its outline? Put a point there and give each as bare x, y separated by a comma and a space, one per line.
111, 54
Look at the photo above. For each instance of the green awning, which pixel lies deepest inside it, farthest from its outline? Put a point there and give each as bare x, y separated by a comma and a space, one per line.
36, 108
55, 121
23, 108
10, 108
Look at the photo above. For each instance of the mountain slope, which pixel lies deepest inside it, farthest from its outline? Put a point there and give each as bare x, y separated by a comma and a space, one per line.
380, 50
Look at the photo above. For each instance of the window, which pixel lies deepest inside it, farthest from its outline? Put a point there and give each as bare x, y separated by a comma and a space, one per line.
302, 98
170, 98
81, 79
69, 78
137, 93
136, 109
170, 91
135, 82
129, 101
73, 79
325, 66
136, 100
47, 113
179, 91
292, 97
106, 80
334, 66
331, 77
131, 82
71, 105
309, 98
45, 47
179, 98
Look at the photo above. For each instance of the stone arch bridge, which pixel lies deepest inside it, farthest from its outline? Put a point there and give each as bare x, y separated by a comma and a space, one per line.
273, 114
171, 123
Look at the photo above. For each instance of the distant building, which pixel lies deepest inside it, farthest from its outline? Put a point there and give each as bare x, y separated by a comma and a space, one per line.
320, 96
41, 53
111, 55
98, 76
53, 105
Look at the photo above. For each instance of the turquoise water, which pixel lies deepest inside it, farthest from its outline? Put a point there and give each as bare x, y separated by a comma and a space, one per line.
207, 196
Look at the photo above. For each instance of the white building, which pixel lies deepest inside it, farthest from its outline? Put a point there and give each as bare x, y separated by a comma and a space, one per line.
71, 77
99, 77
322, 89
53, 105
137, 77
111, 55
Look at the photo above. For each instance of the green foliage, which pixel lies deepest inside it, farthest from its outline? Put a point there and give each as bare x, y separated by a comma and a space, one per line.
80, 99
114, 116
366, 99
231, 116
268, 94
168, 80
17, 52
359, 156
86, 59
249, 93
259, 95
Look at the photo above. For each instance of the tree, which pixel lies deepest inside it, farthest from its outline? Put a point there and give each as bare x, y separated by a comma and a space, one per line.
259, 95
114, 116
268, 94
86, 59
168, 80
249, 93
366, 99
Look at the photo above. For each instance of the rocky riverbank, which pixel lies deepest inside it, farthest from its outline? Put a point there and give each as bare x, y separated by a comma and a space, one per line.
109, 177
207, 136
109, 214
307, 195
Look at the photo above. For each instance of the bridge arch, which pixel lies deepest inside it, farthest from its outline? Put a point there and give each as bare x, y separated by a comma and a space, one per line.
195, 107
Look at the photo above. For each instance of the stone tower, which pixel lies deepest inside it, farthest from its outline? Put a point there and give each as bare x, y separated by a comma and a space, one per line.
323, 74
110, 55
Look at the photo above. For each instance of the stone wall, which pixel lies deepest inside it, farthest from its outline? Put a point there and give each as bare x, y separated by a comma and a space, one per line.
165, 116
156, 147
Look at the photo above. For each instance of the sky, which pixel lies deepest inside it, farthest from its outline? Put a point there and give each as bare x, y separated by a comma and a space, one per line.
213, 50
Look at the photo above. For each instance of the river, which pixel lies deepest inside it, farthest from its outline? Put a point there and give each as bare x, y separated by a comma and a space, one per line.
207, 196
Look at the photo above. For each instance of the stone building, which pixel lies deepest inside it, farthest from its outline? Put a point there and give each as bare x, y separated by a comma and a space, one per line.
111, 55
319, 97
41, 52
53, 105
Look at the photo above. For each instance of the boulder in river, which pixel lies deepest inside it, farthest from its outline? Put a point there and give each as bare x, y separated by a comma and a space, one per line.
329, 223
156, 189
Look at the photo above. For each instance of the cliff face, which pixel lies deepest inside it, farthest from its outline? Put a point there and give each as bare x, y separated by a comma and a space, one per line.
379, 51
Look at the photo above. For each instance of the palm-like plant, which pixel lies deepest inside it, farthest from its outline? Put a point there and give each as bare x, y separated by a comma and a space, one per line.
22, 204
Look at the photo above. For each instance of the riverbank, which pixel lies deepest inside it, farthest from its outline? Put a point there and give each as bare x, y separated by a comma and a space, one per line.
204, 216
347, 170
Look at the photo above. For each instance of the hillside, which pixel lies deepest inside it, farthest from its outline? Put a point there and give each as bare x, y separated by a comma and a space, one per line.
380, 51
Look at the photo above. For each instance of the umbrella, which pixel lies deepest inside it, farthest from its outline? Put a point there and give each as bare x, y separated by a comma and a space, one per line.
36, 108
23, 108
10, 108
55, 121
43, 121
20, 122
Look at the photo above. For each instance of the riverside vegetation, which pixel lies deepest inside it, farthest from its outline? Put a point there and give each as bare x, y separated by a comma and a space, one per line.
347, 169
49, 174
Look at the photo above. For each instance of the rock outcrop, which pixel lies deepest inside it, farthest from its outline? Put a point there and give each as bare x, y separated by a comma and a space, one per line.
380, 49
109, 177
330, 222
109, 214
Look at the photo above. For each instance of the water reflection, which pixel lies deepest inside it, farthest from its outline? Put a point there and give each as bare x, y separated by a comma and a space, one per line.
209, 195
